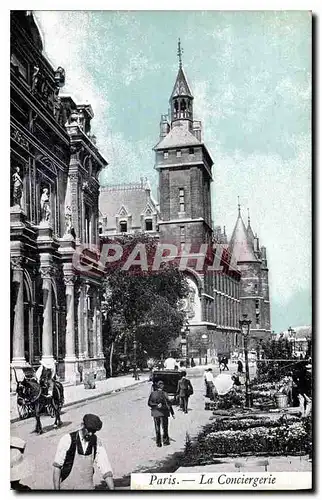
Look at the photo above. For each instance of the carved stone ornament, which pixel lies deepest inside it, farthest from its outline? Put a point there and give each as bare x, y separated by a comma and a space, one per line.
69, 279
19, 137
17, 263
47, 272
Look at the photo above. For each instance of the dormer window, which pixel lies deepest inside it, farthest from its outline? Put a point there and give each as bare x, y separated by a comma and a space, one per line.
148, 225
178, 153
166, 154
191, 151
123, 226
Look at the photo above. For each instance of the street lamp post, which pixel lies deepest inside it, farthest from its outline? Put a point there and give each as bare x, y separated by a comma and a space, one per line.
244, 328
135, 374
187, 350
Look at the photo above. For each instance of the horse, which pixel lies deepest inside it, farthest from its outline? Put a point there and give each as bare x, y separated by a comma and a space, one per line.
35, 394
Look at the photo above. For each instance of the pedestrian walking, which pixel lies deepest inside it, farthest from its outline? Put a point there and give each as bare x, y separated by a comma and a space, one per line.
240, 367
209, 383
77, 454
160, 411
225, 363
184, 391
20, 467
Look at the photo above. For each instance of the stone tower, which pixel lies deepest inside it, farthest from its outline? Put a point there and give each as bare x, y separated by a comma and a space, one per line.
254, 288
184, 165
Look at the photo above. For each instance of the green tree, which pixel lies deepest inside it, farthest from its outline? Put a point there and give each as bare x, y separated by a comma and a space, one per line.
143, 304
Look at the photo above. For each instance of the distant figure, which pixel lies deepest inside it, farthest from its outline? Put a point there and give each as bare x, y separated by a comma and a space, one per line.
184, 391
20, 467
160, 411
209, 383
224, 362
192, 363
170, 363
176, 368
182, 366
240, 367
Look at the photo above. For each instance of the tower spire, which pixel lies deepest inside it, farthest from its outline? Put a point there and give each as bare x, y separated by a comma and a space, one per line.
248, 217
179, 53
238, 206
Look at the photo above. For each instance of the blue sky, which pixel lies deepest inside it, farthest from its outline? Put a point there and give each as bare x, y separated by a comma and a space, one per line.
250, 75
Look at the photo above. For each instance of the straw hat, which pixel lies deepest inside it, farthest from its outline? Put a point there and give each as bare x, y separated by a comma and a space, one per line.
20, 467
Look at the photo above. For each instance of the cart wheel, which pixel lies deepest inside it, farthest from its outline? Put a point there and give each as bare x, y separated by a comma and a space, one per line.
23, 411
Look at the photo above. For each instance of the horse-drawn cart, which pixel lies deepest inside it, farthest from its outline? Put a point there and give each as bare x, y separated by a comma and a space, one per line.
170, 379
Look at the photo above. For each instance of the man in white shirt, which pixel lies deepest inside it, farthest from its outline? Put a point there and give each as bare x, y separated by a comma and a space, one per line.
170, 363
77, 454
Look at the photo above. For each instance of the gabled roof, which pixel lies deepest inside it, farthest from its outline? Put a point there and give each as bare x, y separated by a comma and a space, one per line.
178, 136
181, 87
130, 199
239, 245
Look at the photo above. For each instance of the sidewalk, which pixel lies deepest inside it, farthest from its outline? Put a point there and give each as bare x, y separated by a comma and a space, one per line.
77, 393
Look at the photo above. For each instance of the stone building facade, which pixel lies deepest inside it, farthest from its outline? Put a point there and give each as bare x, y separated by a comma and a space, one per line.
127, 208
54, 163
251, 260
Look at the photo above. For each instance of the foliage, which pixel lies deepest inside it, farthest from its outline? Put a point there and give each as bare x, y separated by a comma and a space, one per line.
234, 398
143, 304
278, 353
285, 436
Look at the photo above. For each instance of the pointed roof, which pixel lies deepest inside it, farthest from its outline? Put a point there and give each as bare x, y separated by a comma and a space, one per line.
239, 245
181, 86
250, 233
178, 136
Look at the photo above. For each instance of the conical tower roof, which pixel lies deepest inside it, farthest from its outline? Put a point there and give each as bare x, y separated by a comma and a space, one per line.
240, 246
250, 233
181, 86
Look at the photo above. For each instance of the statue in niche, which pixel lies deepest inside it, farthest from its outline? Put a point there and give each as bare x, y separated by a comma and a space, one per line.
68, 220
35, 78
191, 303
17, 187
45, 205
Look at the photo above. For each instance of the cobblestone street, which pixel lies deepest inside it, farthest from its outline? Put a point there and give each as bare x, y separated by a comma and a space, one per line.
127, 432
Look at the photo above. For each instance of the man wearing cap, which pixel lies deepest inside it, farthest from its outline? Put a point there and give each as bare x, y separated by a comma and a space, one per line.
160, 411
20, 467
77, 454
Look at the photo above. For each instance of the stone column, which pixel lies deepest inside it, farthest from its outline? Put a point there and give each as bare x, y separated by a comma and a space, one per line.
71, 369
101, 372
87, 287
18, 349
80, 323
47, 329
94, 325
